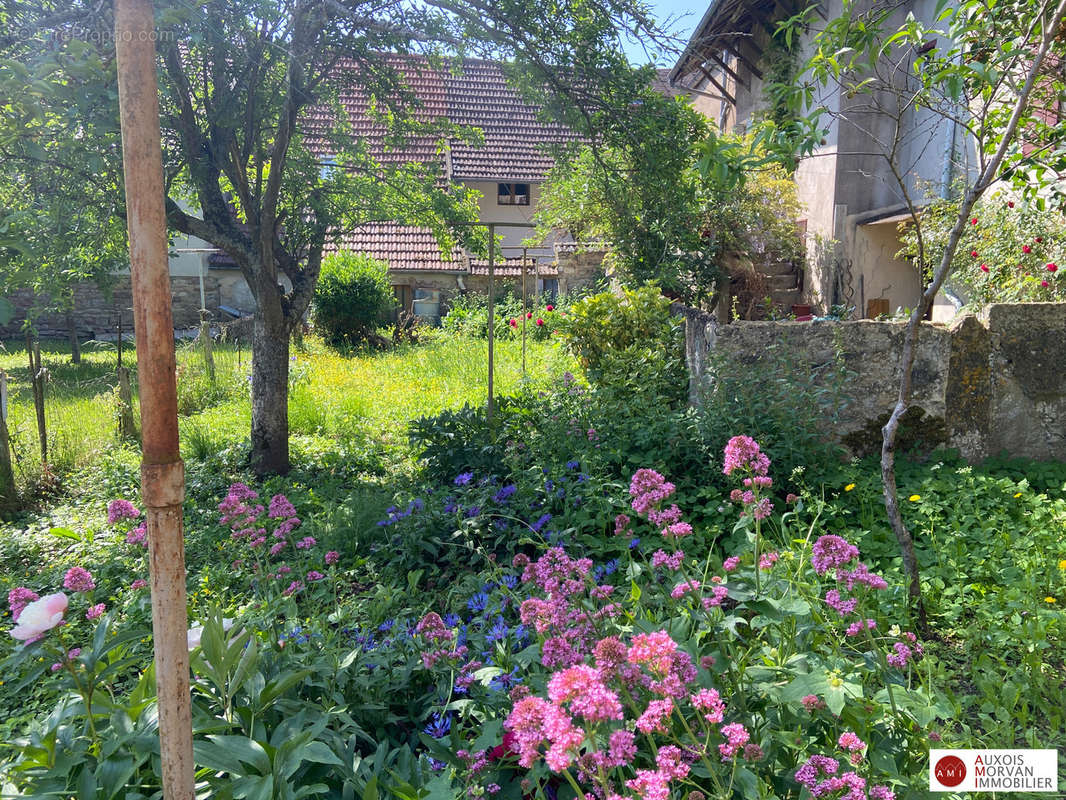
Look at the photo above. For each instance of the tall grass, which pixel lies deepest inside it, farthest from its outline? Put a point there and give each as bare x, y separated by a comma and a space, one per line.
335, 399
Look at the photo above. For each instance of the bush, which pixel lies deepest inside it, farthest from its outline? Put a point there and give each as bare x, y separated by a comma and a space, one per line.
630, 341
353, 297
468, 316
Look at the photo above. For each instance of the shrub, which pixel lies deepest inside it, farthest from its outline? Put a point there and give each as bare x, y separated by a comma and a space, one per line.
631, 342
353, 297
468, 316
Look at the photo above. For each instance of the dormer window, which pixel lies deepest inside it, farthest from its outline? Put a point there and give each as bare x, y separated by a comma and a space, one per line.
513, 194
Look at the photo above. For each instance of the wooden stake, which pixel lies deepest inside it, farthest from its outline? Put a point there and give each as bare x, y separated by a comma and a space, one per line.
162, 472
7, 474
205, 342
33, 349
127, 427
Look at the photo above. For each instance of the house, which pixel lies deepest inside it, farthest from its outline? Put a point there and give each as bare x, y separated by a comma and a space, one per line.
507, 168
853, 203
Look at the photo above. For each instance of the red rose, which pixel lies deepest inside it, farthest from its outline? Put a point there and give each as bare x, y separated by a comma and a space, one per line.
973, 221
539, 322
1052, 267
973, 254
1045, 284
1026, 248
529, 315
984, 268
1039, 239
512, 322
1010, 204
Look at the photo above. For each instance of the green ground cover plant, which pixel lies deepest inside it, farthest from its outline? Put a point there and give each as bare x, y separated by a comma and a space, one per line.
464, 624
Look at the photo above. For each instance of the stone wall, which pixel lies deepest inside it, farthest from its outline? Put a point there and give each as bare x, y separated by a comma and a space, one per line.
991, 383
96, 313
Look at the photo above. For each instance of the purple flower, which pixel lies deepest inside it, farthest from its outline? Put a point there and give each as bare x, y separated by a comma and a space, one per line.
463, 478
315, 575
95, 612
78, 579
118, 510
280, 507
18, 598
743, 453
332, 557
140, 583
831, 551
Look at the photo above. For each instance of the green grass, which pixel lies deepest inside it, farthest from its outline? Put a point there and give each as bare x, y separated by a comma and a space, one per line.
335, 400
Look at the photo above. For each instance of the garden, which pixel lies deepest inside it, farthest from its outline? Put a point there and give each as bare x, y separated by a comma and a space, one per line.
600, 590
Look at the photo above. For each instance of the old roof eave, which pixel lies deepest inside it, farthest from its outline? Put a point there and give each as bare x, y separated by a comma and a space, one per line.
697, 35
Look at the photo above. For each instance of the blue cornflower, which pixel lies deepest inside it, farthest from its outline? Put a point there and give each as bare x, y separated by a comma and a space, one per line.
498, 632
610, 567
386, 626
451, 620
561, 493
510, 581
573, 464
473, 511
521, 635
501, 524
436, 765
450, 505
487, 587
540, 523
505, 493
391, 510
478, 602
416, 505
582, 478
577, 501
634, 544
439, 725
463, 478
549, 485
505, 680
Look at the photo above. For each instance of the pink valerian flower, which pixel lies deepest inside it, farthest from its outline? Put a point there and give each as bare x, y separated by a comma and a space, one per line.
332, 557
558, 651
276, 548
760, 481
814, 767
719, 594
767, 560
812, 702
18, 598
832, 551
731, 563
534, 721
293, 588
654, 649
234, 507
138, 535
257, 541
306, 543
752, 752
838, 604
736, 737
881, 793
433, 628
663, 559
861, 574
621, 748
280, 507
850, 741
284, 569
710, 702
520, 561
95, 612
609, 654
901, 657
743, 453
648, 489
650, 784
707, 662
677, 530
78, 579
666, 518
140, 583
556, 572
314, 575
857, 627
683, 588
791, 498
655, 716
762, 509
621, 525
670, 761
118, 510
588, 697
287, 527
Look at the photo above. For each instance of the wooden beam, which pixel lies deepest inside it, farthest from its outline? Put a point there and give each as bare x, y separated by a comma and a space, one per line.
729, 71
725, 92
737, 48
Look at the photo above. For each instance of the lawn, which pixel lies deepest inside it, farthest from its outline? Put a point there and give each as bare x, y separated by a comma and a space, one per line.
425, 596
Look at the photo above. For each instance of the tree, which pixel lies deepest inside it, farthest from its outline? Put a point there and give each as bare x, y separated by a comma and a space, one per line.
977, 69
260, 159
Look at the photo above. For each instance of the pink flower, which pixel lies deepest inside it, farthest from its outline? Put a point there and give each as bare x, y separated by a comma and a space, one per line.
857, 627
984, 268
677, 530
881, 793
621, 748
40, 616
663, 559
118, 510
138, 535
743, 453
529, 315
812, 703
654, 649
315, 575
432, 627
736, 737
1026, 248
838, 604
78, 579
710, 701
621, 524
650, 784
719, 594
95, 612
655, 716
684, 588
280, 507
140, 583
512, 322
816, 765
670, 761
731, 563
277, 548
549, 307
332, 557
1052, 267
973, 254
306, 543
540, 322
767, 560
583, 688
1044, 284
831, 551
973, 221
293, 588
18, 598
850, 742
902, 655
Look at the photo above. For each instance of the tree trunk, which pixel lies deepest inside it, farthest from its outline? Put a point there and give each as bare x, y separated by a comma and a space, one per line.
72, 331
270, 390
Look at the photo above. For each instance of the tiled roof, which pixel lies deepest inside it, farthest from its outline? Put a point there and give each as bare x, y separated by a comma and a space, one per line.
478, 97
512, 268
403, 247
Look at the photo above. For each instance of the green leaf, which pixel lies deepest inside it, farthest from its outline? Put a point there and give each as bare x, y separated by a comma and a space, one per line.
319, 753
62, 533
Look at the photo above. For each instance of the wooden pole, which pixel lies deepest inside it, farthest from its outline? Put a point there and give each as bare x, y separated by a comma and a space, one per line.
33, 349
492, 312
162, 472
206, 344
525, 251
7, 474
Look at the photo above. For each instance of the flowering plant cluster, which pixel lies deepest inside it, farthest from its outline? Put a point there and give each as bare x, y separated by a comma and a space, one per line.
690, 678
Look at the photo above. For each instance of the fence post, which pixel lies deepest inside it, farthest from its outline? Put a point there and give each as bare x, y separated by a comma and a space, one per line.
33, 350
7, 475
127, 427
206, 343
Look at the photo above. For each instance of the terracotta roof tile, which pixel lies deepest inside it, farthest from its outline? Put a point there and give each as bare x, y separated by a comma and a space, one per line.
403, 247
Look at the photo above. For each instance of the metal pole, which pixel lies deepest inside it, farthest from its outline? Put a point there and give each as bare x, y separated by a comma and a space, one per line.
162, 472
525, 250
492, 312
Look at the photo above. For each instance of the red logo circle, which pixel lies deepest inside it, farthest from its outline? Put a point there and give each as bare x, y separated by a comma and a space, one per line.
950, 771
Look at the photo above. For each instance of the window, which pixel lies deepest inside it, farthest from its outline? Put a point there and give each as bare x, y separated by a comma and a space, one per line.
512, 194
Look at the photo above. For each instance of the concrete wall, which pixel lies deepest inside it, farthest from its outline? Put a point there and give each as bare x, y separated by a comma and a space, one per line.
992, 383
96, 313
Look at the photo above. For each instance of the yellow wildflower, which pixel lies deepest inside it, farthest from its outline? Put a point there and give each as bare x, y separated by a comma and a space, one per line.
1050, 600
1018, 494
849, 487
1062, 564
914, 498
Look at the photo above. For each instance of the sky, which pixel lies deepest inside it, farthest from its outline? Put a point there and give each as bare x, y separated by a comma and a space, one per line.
680, 17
